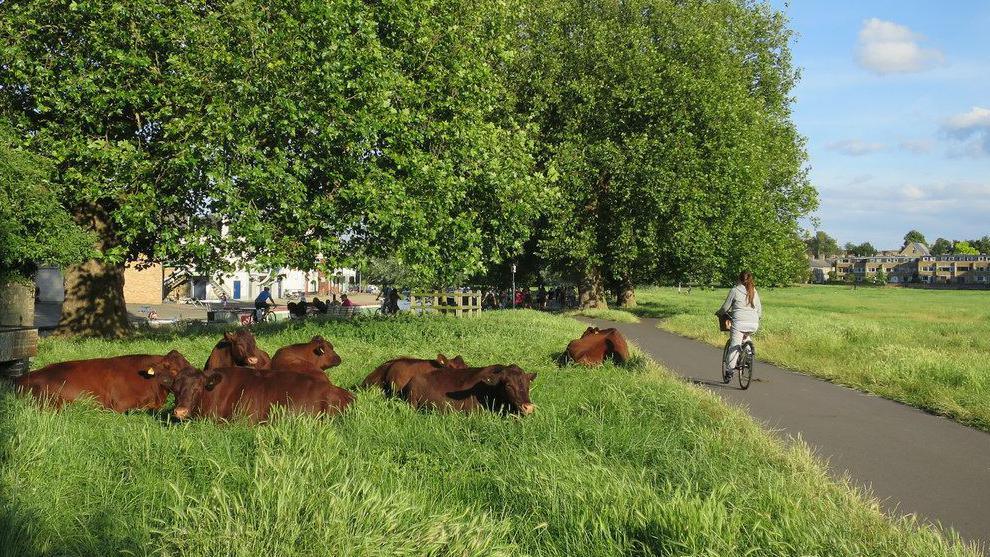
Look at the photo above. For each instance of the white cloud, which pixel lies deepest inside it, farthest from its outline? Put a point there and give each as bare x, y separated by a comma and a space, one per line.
855, 147
913, 192
886, 47
917, 146
971, 130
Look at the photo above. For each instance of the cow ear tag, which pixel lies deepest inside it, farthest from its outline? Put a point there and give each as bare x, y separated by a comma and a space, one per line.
151, 371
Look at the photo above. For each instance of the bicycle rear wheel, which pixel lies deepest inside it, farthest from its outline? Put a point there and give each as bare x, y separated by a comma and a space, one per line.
745, 367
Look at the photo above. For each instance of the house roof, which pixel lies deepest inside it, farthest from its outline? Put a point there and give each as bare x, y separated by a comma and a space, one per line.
915, 249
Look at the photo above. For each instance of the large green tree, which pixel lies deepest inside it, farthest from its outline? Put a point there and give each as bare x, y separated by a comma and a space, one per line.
865, 249
941, 246
964, 248
821, 245
666, 129
914, 237
210, 134
34, 228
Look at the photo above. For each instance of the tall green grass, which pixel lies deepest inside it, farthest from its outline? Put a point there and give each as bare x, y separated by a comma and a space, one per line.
616, 315
615, 461
927, 348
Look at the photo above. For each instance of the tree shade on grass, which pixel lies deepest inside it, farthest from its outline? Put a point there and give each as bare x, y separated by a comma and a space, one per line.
925, 348
615, 461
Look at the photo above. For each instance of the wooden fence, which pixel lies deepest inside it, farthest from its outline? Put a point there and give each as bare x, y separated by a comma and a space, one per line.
458, 304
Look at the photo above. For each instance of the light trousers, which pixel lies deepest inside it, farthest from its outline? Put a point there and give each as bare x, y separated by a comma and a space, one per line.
735, 346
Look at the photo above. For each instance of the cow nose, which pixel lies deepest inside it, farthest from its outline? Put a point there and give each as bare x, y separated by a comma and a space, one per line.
527, 409
252, 360
180, 412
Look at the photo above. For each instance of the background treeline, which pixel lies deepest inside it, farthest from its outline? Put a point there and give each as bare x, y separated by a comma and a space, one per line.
821, 245
602, 143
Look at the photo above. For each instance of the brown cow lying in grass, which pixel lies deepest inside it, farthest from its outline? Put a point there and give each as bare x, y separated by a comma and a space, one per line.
595, 345
394, 375
499, 388
225, 393
316, 356
238, 349
120, 383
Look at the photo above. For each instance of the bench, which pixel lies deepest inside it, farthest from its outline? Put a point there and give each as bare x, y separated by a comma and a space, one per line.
340, 312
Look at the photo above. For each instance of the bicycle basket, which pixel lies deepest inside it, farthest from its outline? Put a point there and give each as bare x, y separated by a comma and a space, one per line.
724, 323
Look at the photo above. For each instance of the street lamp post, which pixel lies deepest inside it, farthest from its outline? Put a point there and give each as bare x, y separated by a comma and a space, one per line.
513, 286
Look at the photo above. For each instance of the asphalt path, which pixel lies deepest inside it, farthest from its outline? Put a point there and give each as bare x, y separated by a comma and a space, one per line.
912, 461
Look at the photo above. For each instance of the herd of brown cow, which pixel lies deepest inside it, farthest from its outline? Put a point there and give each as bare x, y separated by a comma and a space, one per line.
241, 379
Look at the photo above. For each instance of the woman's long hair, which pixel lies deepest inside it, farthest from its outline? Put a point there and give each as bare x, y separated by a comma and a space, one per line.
746, 279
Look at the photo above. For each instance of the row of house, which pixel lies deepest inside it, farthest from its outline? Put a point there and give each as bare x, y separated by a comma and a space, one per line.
912, 264
155, 283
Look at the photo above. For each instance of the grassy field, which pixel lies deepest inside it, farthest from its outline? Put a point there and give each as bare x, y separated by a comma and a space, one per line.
615, 461
923, 347
617, 315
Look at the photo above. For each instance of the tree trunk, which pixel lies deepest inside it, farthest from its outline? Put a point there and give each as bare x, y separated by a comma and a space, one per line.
591, 291
17, 304
94, 290
627, 294
94, 301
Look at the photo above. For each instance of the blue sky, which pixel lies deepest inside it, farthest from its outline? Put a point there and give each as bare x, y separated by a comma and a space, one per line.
894, 100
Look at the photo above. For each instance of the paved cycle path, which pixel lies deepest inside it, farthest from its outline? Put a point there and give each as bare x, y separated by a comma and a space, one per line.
913, 461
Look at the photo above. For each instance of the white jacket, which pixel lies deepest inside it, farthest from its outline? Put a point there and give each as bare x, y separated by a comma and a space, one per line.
744, 317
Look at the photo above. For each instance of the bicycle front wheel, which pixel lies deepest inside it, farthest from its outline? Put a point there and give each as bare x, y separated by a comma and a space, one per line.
725, 356
746, 366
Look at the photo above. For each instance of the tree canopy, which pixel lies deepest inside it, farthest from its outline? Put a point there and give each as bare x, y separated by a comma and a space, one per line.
616, 142
964, 248
34, 228
941, 246
821, 245
914, 237
865, 249
211, 134
666, 129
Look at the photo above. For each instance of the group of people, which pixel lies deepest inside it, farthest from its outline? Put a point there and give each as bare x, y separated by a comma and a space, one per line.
265, 302
558, 297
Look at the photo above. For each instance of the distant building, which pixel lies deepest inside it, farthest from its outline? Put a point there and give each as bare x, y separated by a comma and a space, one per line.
153, 284
914, 264
821, 270
245, 285
955, 269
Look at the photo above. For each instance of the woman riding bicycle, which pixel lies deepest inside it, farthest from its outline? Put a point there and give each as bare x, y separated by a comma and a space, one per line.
743, 307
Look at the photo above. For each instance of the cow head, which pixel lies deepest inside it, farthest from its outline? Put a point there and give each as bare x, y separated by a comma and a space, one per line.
590, 331
323, 352
509, 388
457, 362
171, 365
242, 347
188, 388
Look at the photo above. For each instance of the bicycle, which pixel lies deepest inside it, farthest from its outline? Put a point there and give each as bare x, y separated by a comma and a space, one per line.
744, 363
267, 315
